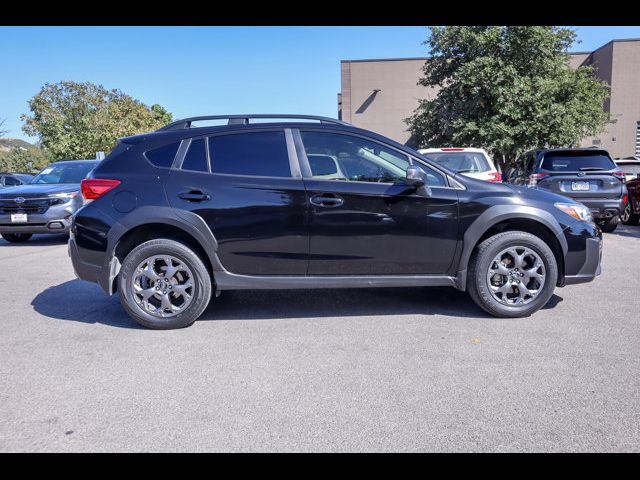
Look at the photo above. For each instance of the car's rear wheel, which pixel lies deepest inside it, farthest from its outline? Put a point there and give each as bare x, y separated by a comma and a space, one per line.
629, 218
164, 284
610, 224
512, 274
16, 237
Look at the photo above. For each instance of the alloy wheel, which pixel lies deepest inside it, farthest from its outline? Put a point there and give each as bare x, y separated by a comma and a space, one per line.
516, 275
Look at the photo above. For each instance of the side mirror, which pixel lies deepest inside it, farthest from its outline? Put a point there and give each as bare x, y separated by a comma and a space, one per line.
416, 178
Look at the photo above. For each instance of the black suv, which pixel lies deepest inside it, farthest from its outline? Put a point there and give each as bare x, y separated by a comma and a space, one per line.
587, 175
175, 215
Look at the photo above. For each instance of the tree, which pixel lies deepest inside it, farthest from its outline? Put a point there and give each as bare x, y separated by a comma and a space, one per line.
24, 160
75, 120
507, 89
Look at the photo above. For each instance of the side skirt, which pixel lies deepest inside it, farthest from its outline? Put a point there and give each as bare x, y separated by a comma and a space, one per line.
230, 281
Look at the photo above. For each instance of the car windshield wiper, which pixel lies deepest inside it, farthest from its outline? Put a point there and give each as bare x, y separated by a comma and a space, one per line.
467, 171
591, 168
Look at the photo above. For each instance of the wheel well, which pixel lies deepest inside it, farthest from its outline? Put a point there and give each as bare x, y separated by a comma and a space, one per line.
152, 231
535, 228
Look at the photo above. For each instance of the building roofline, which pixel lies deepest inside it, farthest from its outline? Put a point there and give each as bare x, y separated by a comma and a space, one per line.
398, 59
384, 59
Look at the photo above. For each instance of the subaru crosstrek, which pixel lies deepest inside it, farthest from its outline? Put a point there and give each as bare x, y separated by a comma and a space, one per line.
175, 216
587, 175
45, 204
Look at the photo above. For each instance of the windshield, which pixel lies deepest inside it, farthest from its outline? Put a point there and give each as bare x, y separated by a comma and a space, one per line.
630, 168
461, 162
64, 173
575, 162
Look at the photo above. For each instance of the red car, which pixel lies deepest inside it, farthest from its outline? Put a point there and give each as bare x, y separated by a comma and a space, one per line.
631, 213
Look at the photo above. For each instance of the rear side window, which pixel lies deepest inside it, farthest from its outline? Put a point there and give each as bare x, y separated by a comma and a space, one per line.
163, 156
196, 157
251, 153
575, 162
461, 162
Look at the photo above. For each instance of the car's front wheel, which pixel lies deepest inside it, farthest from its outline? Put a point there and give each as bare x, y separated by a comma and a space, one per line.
512, 274
164, 284
16, 237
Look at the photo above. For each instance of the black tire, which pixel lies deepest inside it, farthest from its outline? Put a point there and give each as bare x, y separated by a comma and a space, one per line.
627, 217
17, 237
200, 293
483, 257
610, 224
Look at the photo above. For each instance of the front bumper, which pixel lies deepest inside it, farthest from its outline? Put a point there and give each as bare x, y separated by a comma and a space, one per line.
36, 224
583, 260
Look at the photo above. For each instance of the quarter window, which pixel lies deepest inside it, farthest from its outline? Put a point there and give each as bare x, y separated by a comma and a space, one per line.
163, 156
196, 157
250, 153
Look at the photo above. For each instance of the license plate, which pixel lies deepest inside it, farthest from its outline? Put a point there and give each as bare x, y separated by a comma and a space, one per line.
579, 185
19, 218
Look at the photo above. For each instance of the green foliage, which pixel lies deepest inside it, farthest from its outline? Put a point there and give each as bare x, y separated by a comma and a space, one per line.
507, 89
75, 120
24, 160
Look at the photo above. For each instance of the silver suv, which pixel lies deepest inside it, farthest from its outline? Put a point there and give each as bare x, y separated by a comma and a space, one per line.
46, 204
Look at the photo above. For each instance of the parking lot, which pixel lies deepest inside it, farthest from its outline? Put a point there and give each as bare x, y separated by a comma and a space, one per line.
352, 370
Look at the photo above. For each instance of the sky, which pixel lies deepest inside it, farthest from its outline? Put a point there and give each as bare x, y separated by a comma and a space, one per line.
210, 70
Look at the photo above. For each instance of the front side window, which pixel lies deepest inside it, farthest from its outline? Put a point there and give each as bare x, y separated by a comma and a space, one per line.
336, 156
250, 153
10, 181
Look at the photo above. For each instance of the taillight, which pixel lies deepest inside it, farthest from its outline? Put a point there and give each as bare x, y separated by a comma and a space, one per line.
495, 177
620, 174
624, 199
535, 178
93, 188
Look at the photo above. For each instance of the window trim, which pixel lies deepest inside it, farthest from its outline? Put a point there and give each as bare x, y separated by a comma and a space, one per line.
182, 154
306, 167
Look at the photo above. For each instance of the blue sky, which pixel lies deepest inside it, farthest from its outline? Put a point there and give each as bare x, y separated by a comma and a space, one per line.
209, 70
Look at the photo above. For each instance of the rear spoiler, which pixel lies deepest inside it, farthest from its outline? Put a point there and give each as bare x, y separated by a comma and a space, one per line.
133, 140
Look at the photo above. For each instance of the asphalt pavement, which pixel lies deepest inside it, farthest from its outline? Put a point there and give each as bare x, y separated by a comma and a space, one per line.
405, 369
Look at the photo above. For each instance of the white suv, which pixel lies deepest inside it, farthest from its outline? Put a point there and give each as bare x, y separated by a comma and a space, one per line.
472, 162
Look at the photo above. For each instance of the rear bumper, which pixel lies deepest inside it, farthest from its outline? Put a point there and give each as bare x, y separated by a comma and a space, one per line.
603, 208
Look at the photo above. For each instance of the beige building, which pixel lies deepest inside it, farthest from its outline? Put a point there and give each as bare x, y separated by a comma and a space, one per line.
379, 94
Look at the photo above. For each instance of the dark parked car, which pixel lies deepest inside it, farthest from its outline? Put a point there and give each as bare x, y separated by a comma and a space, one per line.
631, 214
179, 213
46, 204
587, 175
14, 179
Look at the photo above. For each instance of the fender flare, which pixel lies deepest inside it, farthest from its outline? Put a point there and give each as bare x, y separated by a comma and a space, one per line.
190, 222
494, 215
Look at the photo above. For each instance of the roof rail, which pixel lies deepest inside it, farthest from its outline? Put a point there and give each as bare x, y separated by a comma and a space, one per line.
244, 120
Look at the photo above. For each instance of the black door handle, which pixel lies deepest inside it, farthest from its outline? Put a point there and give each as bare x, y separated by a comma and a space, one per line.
327, 200
194, 196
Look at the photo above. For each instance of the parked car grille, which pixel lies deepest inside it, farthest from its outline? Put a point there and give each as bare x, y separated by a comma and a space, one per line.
30, 205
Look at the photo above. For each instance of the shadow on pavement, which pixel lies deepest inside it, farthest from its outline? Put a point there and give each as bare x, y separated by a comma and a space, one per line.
625, 231
85, 302
38, 240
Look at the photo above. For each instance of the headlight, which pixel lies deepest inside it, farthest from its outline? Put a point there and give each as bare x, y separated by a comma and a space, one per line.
65, 196
576, 210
